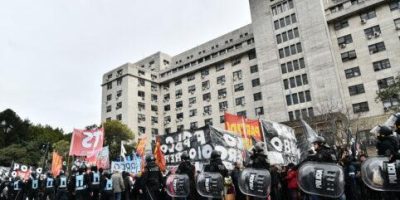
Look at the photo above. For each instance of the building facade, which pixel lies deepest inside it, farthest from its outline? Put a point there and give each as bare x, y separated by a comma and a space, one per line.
298, 58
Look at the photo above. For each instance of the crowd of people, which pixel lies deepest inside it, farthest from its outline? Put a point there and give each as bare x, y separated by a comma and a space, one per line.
84, 184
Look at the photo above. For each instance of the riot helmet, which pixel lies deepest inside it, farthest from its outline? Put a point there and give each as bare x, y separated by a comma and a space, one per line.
62, 173
185, 156
385, 131
93, 168
150, 158
215, 155
33, 174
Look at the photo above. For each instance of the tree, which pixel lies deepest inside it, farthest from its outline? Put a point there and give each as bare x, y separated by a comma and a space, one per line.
62, 147
389, 95
115, 132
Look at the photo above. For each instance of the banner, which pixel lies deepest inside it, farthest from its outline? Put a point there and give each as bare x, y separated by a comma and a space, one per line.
199, 144
132, 166
101, 159
86, 142
248, 129
304, 141
141, 146
56, 164
281, 143
23, 171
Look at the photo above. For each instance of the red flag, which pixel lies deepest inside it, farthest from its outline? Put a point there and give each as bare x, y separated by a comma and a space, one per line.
141, 146
159, 155
86, 142
56, 164
246, 128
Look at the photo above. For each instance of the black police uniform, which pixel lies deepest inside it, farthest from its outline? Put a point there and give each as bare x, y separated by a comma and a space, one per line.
32, 188
94, 184
106, 188
17, 189
49, 187
185, 167
62, 184
151, 181
80, 181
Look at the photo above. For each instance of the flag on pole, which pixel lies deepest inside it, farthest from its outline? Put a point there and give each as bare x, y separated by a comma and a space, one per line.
159, 156
56, 164
141, 146
123, 150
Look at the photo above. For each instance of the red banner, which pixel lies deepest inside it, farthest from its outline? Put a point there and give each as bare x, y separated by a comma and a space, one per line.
86, 142
159, 155
246, 128
56, 164
141, 146
101, 159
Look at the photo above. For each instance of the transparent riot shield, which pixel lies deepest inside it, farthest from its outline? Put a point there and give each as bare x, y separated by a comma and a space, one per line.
210, 185
322, 179
255, 182
378, 174
178, 185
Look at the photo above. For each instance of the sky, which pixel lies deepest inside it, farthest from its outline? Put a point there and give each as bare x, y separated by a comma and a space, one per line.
53, 53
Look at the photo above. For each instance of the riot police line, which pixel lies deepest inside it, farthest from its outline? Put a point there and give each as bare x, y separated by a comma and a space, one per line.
319, 176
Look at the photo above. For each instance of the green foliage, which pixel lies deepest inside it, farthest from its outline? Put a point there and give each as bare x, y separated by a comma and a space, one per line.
62, 147
390, 94
115, 132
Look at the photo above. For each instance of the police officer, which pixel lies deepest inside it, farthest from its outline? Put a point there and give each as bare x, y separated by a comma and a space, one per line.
81, 180
185, 167
71, 183
94, 183
49, 186
17, 186
323, 152
216, 164
106, 187
152, 179
387, 144
62, 183
32, 187
258, 160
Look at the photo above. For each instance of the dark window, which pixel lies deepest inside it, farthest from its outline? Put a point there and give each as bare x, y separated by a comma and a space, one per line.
305, 79
259, 111
167, 108
385, 83
302, 64
352, 72
238, 87
286, 83
301, 97
377, 47
356, 89
255, 82
283, 68
371, 32
207, 97
109, 97
222, 119
109, 86
292, 82
360, 107
108, 108
119, 105
290, 66
241, 113
368, 15
294, 20
341, 24
223, 105
299, 48
311, 112
254, 69
347, 39
178, 82
290, 34
278, 39
252, 55
276, 25
208, 122
119, 117
239, 101
257, 96
291, 117
284, 37
308, 95
281, 53
394, 5
288, 100
350, 55
219, 67
382, 64
298, 80
295, 98
296, 32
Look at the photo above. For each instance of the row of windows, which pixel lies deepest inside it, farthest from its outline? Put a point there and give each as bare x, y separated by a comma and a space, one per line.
295, 81
290, 50
287, 35
118, 94
382, 84
285, 21
296, 98
119, 73
378, 65
251, 55
281, 7
360, 107
301, 114
293, 65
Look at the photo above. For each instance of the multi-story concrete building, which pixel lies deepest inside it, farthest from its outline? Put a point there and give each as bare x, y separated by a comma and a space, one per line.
297, 59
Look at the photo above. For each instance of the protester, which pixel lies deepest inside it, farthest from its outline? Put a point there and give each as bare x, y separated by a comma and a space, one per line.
235, 174
118, 185
292, 182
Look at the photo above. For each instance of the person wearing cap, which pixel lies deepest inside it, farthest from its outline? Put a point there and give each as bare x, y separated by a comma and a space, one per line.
151, 179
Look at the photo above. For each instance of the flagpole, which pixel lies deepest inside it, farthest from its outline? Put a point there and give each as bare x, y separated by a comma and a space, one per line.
244, 129
263, 134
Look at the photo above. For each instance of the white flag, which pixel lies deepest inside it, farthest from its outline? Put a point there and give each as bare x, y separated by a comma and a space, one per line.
123, 150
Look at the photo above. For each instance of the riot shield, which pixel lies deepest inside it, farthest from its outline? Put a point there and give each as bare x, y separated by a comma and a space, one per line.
255, 182
210, 184
322, 179
378, 174
178, 185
